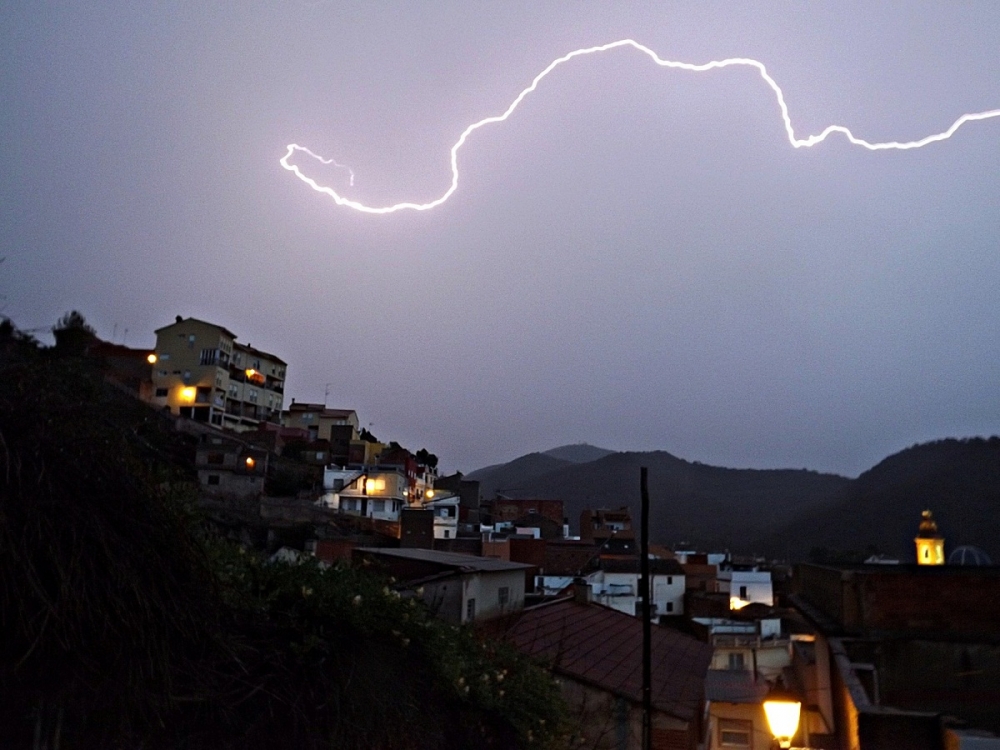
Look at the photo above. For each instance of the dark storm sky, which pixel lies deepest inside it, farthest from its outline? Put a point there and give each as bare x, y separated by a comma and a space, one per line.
637, 258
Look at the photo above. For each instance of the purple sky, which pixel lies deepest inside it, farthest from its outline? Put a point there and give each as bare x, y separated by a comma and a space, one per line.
637, 258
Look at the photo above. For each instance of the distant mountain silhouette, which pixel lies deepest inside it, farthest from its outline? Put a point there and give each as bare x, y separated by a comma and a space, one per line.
514, 478
704, 505
787, 513
579, 453
959, 480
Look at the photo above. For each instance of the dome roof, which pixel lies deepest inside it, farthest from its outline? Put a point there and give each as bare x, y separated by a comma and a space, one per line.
928, 526
968, 555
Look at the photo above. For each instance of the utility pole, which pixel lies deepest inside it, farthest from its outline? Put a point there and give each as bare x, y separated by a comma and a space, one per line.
647, 630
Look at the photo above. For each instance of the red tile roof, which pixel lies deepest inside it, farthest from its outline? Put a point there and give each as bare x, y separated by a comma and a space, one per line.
603, 647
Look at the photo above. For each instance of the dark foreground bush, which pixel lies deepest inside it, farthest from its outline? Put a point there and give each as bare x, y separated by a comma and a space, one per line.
124, 625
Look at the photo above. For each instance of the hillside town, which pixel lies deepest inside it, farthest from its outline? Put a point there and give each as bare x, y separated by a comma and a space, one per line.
888, 653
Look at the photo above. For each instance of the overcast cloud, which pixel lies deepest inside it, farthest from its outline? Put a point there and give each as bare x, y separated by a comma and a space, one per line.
637, 258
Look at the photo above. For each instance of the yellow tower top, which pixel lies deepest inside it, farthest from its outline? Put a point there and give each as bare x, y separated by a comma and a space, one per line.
930, 544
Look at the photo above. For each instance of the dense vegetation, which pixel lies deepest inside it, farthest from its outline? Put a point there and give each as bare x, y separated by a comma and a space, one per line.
126, 623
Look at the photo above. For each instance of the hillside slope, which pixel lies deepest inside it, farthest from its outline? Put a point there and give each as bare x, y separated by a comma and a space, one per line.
959, 480
690, 502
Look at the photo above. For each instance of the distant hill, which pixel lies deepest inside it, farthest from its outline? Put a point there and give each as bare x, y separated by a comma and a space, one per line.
959, 480
579, 453
690, 502
514, 477
783, 513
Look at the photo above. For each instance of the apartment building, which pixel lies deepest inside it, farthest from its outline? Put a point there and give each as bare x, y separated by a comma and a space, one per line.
201, 372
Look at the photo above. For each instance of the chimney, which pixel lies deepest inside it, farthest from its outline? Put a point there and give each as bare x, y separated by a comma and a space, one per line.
582, 592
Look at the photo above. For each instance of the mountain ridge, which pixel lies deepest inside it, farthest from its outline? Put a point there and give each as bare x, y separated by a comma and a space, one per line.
787, 513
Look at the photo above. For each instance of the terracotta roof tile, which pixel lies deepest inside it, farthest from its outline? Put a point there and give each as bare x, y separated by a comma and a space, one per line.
603, 647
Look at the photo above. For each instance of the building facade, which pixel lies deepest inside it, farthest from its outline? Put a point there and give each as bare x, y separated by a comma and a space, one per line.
201, 372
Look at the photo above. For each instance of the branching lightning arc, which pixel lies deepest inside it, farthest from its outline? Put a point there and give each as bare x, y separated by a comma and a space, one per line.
812, 140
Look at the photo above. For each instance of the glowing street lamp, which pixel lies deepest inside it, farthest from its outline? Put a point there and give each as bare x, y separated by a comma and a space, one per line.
782, 709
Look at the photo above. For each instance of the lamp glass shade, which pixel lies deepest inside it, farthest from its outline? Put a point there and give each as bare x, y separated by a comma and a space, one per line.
783, 718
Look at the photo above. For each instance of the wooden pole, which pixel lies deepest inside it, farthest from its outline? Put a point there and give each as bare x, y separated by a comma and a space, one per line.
647, 631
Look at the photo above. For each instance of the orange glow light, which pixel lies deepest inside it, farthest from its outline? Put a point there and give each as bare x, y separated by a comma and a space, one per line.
250, 462
189, 393
151, 358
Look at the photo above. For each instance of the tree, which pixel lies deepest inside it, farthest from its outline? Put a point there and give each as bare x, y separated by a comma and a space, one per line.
73, 334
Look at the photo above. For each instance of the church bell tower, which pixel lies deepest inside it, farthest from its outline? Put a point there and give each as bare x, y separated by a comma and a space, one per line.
930, 544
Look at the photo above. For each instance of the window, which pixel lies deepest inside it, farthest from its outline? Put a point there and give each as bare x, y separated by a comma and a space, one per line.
215, 458
213, 479
670, 580
736, 661
735, 733
164, 357
208, 356
161, 392
470, 610
191, 341
503, 596
670, 606
447, 534
252, 395
187, 377
743, 593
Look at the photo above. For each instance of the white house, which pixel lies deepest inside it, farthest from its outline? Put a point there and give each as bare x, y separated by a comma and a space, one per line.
616, 585
457, 588
445, 509
746, 587
372, 493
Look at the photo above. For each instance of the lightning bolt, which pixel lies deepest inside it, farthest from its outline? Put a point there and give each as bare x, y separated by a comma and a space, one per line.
808, 142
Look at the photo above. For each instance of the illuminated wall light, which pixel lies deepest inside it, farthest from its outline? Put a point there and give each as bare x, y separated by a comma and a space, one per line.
151, 358
250, 462
810, 141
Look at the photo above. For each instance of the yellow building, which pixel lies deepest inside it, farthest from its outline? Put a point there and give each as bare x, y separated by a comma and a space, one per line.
202, 373
930, 544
